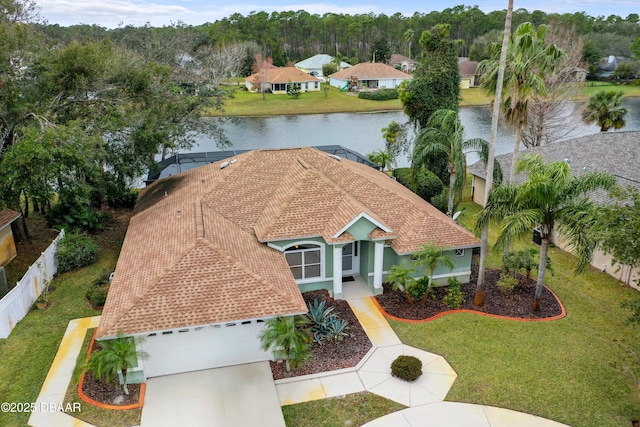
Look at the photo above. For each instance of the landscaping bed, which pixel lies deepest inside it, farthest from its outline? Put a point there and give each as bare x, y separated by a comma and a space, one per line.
331, 355
516, 305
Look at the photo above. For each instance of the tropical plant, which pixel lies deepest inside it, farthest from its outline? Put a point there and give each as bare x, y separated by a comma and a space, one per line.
550, 198
444, 136
288, 334
528, 61
408, 37
293, 90
506, 283
115, 357
401, 278
325, 325
430, 257
421, 289
454, 297
382, 158
605, 109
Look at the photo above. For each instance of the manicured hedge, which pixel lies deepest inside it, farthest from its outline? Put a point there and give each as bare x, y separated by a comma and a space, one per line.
379, 95
428, 184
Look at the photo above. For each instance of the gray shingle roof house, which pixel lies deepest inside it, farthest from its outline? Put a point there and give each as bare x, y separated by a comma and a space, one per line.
213, 252
313, 65
615, 152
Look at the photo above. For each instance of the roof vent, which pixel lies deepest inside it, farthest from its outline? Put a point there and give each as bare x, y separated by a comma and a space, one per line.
166, 194
224, 165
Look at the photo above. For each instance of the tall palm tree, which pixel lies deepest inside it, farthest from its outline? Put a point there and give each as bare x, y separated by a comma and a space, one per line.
497, 101
382, 158
430, 257
408, 36
605, 108
444, 136
550, 198
288, 334
115, 357
528, 61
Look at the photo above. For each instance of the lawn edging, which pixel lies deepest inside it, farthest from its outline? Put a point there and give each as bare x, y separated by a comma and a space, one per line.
495, 316
143, 388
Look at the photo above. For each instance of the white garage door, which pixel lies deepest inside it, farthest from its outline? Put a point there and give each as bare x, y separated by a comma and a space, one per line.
203, 348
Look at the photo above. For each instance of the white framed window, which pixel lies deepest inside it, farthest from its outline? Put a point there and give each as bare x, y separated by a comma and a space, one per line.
459, 252
305, 261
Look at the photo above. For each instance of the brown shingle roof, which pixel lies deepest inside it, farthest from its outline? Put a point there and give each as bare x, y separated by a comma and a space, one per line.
467, 68
371, 71
193, 256
282, 75
7, 216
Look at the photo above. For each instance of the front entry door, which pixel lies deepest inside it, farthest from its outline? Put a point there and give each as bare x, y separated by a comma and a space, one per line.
351, 258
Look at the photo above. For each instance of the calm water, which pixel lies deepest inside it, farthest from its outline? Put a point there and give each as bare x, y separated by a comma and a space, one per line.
362, 131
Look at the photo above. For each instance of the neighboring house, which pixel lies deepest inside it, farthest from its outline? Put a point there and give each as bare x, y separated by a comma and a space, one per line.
580, 74
278, 80
468, 73
608, 65
7, 243
313, 65
369, 75
403, 63
214, 252
613, 152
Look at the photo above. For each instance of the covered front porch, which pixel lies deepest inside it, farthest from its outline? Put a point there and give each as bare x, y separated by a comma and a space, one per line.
357, 265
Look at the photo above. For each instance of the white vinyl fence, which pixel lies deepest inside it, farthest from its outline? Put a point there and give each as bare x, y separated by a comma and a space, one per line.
18, 301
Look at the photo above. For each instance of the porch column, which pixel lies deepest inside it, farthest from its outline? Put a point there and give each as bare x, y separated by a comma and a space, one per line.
337, 271
378, 253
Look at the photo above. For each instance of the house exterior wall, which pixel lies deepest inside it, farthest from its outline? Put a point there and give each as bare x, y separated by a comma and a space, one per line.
339, 83
478, 188
7, 246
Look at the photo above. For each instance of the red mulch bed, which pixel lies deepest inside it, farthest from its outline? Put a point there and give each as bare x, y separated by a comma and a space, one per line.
517, 305
331, 355
111, 394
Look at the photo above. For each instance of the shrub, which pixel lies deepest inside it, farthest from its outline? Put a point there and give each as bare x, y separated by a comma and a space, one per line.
441, 201
77, 219
427, 183
407, 368
325, 324
379, 95
97, 292
75, 251
420, 289
507, 283
454, 297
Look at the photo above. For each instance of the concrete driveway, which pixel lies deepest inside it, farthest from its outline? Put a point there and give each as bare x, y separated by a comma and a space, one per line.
239, 396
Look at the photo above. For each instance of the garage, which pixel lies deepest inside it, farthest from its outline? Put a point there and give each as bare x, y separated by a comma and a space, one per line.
203, 347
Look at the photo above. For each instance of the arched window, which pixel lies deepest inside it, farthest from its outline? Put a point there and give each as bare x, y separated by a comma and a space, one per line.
304, 261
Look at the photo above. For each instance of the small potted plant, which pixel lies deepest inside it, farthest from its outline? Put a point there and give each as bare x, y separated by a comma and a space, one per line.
42, 302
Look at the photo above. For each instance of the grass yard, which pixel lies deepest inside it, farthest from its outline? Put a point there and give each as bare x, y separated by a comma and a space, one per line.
351, 410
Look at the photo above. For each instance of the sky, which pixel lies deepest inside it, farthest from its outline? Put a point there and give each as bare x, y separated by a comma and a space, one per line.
158, 13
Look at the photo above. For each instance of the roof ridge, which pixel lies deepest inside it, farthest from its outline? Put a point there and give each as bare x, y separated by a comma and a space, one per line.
131, 303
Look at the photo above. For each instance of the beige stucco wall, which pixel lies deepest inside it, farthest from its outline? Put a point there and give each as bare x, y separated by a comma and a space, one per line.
479, 185
7, 246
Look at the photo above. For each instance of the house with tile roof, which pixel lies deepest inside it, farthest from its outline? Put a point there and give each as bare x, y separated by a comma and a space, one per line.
212, 253
617, 153
369, 75
8, 249
278, 79
313, 65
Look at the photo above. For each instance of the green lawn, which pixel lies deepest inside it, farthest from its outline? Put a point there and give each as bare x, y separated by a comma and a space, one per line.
245, 103
28, 352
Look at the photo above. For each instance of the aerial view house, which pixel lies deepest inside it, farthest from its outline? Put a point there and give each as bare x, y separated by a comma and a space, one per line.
313, 65
613, 152
212, 253
403, 63
7, 243
278, 79
368, 75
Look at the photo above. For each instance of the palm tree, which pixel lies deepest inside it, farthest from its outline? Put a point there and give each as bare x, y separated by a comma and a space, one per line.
115, 357
550, 198
408, 36
605, 108
497, 101
528, 61
401, 277
382, 158
444, 136
429, 257
288, 334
